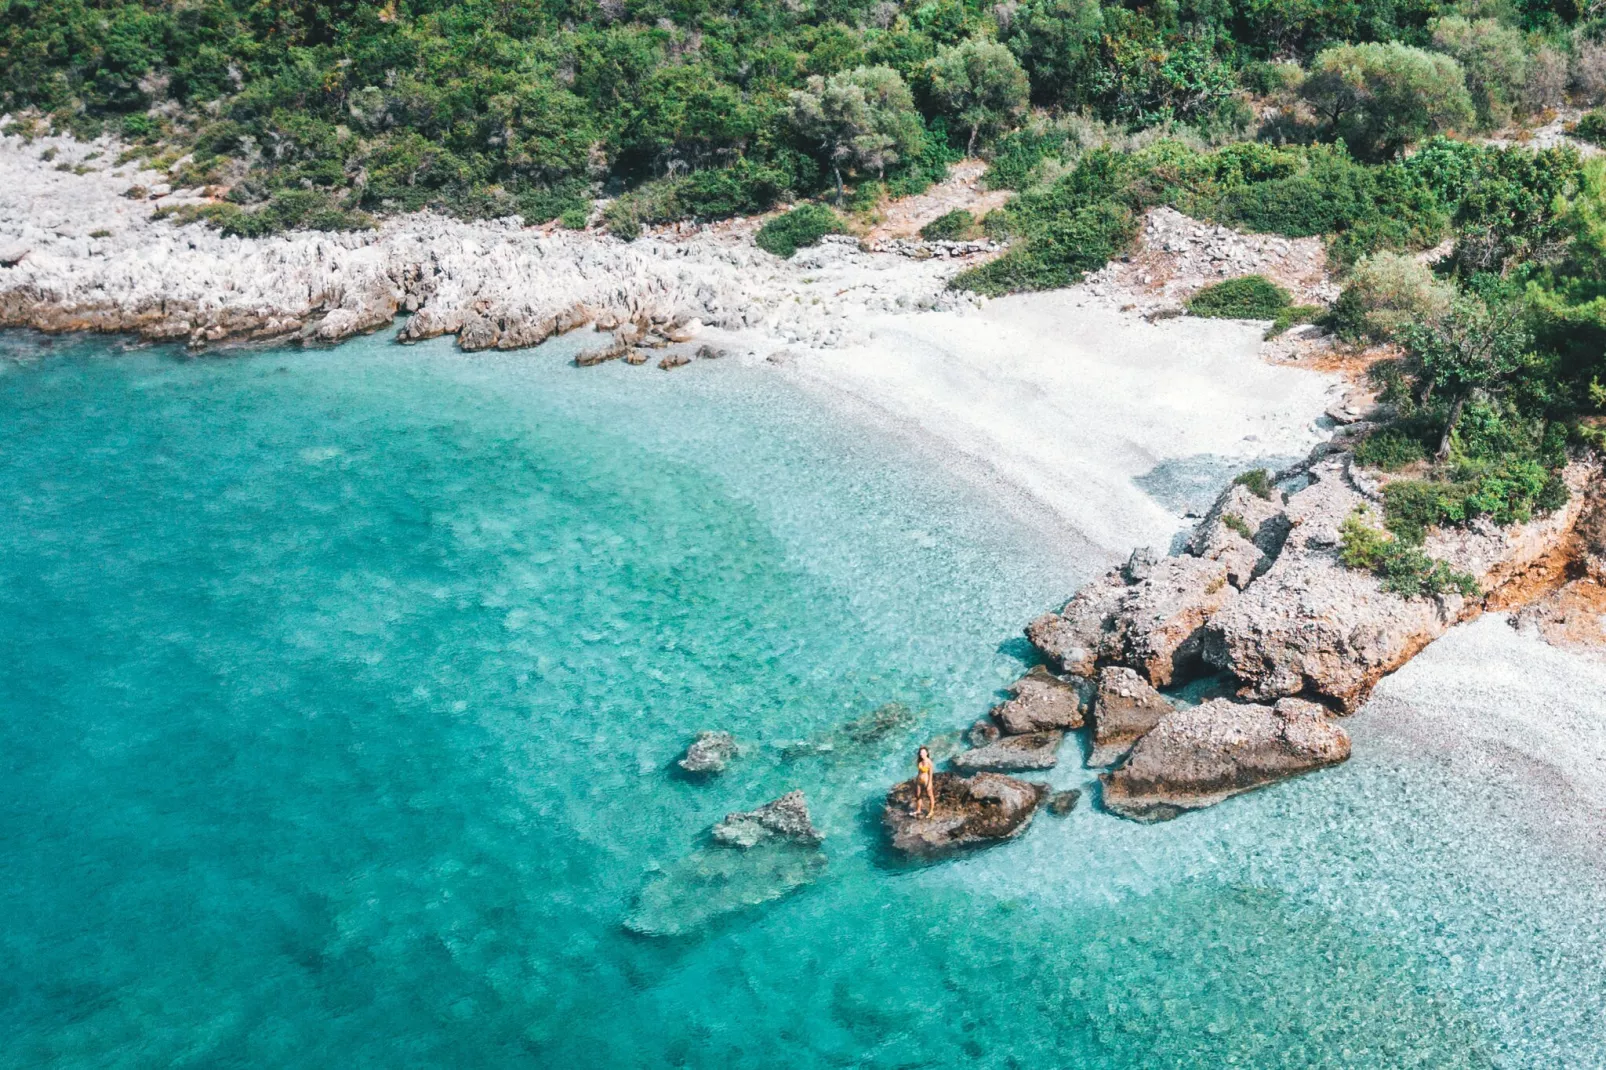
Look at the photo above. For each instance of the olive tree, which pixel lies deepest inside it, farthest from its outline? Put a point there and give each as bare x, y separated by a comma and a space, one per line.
1379, 98
1495, 60
979, 83
859, 119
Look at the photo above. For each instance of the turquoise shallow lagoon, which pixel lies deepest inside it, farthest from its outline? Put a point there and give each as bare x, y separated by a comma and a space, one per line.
340, 693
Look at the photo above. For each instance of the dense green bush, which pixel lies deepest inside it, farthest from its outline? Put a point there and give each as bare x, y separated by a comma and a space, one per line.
1057, 252
1378, 97
1250, 297
1390, 450
802, 226
1387, 292
1591, 127
957, 225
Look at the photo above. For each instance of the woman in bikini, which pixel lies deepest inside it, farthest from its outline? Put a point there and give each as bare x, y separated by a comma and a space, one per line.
925, 782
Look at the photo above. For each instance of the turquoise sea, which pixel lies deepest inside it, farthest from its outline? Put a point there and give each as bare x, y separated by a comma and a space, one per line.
340, 692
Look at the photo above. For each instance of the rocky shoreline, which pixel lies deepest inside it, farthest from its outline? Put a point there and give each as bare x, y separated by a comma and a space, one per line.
82, 249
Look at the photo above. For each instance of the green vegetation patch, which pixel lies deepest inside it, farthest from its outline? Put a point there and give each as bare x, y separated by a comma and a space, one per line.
1405, 569
1251, 297
957, 225
802, 226
1258, 480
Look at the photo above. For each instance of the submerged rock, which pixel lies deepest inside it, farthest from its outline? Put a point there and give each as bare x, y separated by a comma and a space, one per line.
971, 811
1034, 750
598, 354
1063, 802
1198, 757
1126, 708
857, 734
709, 753
982, 733
752, 858
1040, 701
784, 818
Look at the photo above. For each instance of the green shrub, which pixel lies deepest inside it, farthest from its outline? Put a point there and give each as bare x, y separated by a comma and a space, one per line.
1592, 127
1387, 291
1258, 481
1236, 523
1411, 507
1405, 569
539, 204
1058, 254
1389, 450
1294, 315
574, 219
957, 225
802, 226
1252, 297
285, 210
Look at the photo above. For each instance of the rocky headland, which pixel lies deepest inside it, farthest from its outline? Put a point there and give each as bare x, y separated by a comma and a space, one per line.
1260, 599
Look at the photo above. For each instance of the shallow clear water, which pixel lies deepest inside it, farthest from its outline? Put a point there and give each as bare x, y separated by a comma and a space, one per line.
339, 698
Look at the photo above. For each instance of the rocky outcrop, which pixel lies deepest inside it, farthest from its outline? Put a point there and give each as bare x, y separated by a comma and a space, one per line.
709, 753
80, 255
1063, 802
971, 812
1244, 532
1312, 627
1198, 757
1040, 701
1034, 750
1149, 613
750, 858
1260, 594
1126, 708
1592, 538
785, 818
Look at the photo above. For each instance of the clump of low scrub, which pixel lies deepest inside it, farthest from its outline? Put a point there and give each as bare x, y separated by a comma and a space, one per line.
957, 225
1387, 291
1390, 450
1251, 297
285, 210
1405, 569
802, 226
1058, 252
1236, 523
1258, 481
1591, 127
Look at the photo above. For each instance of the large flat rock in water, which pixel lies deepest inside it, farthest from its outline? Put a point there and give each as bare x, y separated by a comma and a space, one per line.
1040, 702
1201, 756
971, 811
1035, 750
